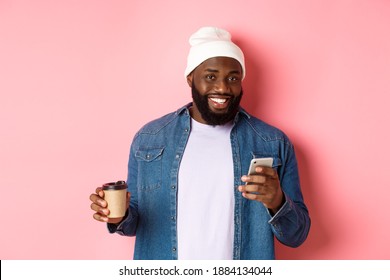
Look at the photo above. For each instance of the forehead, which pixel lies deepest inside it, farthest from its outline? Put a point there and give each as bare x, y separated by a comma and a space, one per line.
220, 63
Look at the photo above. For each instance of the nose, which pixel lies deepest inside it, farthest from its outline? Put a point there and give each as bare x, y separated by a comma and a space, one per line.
221, 86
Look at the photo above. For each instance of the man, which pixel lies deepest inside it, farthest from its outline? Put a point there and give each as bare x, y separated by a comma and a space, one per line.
190, 195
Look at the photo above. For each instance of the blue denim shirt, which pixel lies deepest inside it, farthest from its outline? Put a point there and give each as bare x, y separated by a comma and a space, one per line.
153, 169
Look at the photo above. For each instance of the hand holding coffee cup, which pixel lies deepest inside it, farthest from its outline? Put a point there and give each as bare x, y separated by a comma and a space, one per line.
110, 202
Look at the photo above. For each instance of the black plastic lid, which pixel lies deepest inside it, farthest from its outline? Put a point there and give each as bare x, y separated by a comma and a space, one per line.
120, 185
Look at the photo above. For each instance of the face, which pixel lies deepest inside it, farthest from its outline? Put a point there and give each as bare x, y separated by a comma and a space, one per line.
216, 90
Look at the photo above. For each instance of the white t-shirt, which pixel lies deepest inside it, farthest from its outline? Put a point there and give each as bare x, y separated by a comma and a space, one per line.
206, 194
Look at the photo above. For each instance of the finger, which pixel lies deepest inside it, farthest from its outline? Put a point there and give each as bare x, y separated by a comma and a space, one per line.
100, 210
266, 171
97, 200
94, 198
249, 188
255, 196
100, 218
99, 191
253, 190
254, 179
260, 197
250, 196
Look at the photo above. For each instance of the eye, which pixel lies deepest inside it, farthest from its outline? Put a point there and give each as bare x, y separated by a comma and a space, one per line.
210, 77
233, 79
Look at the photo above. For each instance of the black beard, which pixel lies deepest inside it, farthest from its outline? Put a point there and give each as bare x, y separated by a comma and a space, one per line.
211, 118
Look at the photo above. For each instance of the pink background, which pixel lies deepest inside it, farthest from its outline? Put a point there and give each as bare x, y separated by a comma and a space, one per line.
79, 78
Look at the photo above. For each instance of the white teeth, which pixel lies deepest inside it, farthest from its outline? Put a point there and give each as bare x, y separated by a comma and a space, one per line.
219, 100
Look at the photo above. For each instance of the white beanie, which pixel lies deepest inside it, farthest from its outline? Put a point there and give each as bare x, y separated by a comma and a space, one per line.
210, 42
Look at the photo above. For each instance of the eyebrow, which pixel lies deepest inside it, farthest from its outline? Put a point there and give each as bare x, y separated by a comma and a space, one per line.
216, 71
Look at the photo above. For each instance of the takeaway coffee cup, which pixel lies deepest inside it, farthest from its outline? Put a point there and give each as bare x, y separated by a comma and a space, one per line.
115, 195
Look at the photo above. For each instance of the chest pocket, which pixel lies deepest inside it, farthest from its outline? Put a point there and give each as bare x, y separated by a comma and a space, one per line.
149, 168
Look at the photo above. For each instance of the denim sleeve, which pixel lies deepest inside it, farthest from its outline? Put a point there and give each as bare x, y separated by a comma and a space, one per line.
128, 226
291, 223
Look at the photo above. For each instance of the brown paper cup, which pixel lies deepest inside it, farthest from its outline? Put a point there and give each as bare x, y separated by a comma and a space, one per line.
115, 195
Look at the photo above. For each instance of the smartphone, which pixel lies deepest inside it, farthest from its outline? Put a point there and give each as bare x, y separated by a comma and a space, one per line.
267, 162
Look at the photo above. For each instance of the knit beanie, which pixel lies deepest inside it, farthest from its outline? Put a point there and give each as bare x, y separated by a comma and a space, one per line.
210, 42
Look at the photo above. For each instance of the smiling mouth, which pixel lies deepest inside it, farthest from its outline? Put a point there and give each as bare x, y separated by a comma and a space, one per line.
219, 103
218, 100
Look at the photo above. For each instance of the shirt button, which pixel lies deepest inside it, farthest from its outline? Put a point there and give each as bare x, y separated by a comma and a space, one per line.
186, 130
173, 218
173, 187
174, 249
177, 156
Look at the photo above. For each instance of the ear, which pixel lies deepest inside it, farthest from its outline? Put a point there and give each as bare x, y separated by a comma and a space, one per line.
189, 79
